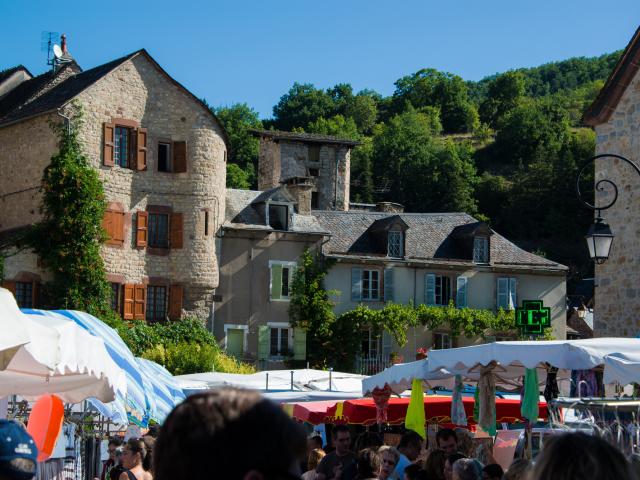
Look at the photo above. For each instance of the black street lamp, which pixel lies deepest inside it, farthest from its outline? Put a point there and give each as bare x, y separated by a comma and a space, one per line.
599, 237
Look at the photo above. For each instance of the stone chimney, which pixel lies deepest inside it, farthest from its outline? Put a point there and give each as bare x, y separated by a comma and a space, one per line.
300, 189
63, 44
389, 207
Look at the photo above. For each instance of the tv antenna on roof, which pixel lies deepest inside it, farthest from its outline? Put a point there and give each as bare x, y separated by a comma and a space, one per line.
48, 42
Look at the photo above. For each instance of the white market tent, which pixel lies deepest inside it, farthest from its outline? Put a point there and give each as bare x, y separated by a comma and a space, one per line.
14, 332
59, 358
511, 358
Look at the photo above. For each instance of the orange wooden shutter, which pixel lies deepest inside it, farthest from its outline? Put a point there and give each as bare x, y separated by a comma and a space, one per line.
142, 224
179, 157
109, 129
129, 292
107, 224
176, 230
118, 227
141, 158
9, 285
175, 302
139, 302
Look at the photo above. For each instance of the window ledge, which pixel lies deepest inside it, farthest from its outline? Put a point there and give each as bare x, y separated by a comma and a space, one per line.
161, 252
279, 299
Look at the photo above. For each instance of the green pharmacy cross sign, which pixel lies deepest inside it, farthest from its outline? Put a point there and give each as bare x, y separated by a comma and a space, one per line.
532, 318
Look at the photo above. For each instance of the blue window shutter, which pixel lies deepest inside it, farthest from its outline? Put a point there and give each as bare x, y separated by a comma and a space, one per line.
503, 293
388, 285
430, 289
356, 284
513, 303
461, 292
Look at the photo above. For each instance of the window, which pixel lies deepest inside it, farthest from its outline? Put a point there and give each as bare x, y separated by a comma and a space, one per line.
281, 276
314, 153
314, 172
395, 244
164, 157
506, 298
315, 200
481, 250
278, 217
24, 294
371, 344
370, 285
206, 223
279, 342
441, 341
443, 290
115, 297
122, 147
159, 230
156, 304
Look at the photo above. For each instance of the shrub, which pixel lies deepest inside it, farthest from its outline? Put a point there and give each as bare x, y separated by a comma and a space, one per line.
226, 363
184, 358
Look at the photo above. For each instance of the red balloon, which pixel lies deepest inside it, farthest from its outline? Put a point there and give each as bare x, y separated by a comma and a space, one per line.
45, 423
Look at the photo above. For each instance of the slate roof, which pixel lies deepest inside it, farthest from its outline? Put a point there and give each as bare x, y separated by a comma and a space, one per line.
428, 238
4, 74
303, 137
242, 213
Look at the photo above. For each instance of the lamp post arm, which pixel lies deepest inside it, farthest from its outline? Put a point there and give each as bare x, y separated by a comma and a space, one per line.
600, 185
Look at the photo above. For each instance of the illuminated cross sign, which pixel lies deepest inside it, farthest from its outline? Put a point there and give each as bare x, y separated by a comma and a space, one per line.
532, 318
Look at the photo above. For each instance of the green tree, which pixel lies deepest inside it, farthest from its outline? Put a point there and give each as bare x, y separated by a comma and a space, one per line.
302, 105
337, 126
68, 238
363, 110
362, 171
503, 95
237, 177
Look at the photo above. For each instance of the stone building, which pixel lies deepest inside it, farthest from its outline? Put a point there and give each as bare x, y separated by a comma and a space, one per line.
161, 155
323, 159
615, 116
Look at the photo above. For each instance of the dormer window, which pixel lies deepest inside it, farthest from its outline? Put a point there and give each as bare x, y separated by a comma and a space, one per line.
480, 250
395, 244
278, 217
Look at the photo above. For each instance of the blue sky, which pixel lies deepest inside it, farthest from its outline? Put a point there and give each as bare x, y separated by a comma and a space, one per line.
253, 51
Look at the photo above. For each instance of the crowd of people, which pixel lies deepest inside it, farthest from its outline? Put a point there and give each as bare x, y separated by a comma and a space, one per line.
237, 434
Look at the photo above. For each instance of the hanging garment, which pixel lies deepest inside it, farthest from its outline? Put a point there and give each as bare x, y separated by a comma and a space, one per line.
584, 383
476, 405
551, 389
415, 418
487, 411
531, 395
458, 415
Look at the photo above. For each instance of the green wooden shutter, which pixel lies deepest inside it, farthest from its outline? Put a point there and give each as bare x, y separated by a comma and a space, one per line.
430, 289
264, 338
388, 285
356, 284
276, 281
503, 292
461, 292
299, 344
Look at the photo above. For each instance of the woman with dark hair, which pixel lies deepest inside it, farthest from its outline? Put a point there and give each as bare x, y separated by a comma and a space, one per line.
136, 459
434, 465
368, 464
575, 456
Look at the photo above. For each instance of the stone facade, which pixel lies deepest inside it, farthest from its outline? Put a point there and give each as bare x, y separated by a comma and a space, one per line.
617, 295
136, 91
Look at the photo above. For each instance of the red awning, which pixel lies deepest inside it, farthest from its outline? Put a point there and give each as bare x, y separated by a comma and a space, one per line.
312, 412
437, 409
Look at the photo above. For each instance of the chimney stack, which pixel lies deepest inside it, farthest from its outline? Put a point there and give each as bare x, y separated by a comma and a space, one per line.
300, 189
63, 44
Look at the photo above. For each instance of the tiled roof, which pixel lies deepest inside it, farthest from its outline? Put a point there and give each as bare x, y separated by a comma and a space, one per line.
303, 137
242, 214
428, 237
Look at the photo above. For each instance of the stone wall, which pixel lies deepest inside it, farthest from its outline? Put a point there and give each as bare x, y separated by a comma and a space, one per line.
617, 294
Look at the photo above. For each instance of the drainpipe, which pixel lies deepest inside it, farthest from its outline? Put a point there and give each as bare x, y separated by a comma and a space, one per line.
67, 121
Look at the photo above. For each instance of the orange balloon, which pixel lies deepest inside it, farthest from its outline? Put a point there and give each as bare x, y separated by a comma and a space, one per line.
45, 423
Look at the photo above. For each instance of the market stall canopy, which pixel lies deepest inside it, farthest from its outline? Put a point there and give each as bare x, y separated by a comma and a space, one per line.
12, 326
62, 359
622, 367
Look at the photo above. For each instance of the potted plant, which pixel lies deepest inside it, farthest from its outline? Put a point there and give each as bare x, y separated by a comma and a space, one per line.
394, 358
421, 353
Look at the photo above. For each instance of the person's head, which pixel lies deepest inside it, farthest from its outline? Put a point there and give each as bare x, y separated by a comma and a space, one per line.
368, 440
576, 456
410, 445
518, 470
447, 441
448, 464
135, 453
341, 439
389, 457
464, 442
493, 471
414, 472
228, 433
18, 452
466, 469
315, 456
368, 464
434, 465
314, 442
113, 445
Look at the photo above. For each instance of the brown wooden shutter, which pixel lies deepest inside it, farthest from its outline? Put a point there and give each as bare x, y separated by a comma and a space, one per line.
118, 227
179, 157
108, 147
141, 157
107, 224
9, 285
175, 302
139, 302
127, 310
35, 294
142, 224
176, 230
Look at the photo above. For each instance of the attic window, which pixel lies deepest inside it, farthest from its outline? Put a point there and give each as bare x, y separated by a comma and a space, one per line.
278, 217
395, 244
480, 250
